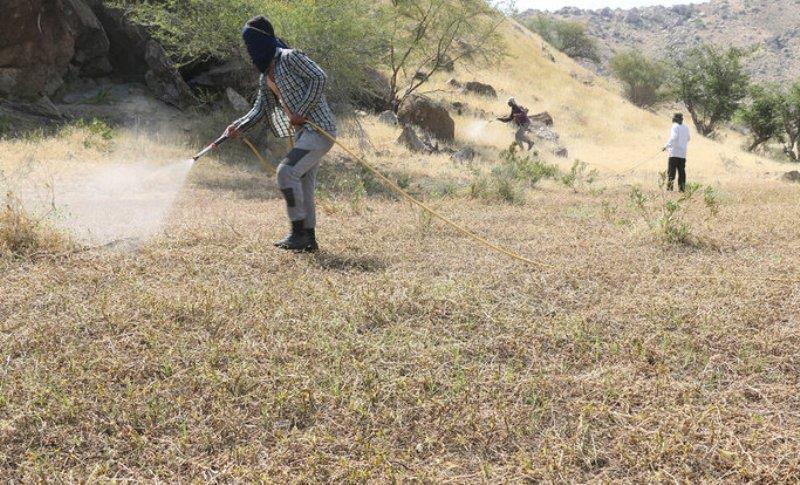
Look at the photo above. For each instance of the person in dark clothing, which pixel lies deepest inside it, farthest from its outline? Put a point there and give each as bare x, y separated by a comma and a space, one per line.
677, 145
519, 117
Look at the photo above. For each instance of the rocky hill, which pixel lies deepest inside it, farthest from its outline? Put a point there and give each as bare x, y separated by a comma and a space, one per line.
773, 25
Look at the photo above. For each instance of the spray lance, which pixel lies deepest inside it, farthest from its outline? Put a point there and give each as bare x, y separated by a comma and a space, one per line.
219, 141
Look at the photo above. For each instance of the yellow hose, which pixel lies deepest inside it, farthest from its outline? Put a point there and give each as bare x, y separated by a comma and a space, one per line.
392, 185
264, 163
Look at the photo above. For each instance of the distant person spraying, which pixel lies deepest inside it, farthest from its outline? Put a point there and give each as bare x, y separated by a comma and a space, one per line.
290, 94
519, 117
677, 145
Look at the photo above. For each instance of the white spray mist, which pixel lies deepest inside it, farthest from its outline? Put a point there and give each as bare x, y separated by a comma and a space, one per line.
119, 202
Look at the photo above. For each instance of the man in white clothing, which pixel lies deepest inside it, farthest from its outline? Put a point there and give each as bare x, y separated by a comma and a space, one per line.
677, 145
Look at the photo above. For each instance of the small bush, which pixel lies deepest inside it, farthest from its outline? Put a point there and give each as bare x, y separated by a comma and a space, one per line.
525, 169
669, 217
568, 36
641, 78
97, 133
22, 236
579, 176
509, 180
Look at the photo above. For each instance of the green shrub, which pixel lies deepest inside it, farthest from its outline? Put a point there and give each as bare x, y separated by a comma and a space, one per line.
525, 169
343, 36
668, 217
790, 118
568, 36
641, 78
509, 180
579, 176
97, 133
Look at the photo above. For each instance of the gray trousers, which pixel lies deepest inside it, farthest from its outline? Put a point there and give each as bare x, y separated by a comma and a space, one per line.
523, 136
297, 175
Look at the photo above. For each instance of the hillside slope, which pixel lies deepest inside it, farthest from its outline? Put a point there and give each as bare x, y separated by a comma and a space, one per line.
596, 124
774, 25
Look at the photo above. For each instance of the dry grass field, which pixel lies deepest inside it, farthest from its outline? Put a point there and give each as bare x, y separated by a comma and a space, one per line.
402, 351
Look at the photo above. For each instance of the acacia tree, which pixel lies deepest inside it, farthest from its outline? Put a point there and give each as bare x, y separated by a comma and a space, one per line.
790, 119
762, 115
711, 82
428, 36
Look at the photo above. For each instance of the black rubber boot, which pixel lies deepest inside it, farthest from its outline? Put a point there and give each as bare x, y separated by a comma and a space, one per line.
312, 247
297, 240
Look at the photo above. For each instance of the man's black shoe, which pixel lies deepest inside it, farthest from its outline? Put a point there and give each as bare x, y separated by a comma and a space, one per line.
297, 240
312, 247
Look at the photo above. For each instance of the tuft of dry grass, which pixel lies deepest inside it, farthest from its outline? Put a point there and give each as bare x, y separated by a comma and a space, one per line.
22, 235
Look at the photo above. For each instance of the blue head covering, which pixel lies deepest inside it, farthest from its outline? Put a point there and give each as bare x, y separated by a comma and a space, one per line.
259, 37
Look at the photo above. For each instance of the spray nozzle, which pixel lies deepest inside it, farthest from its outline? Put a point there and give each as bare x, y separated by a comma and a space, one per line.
219, 141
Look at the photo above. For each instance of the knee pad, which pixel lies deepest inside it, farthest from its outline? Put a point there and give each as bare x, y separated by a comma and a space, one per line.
288, 194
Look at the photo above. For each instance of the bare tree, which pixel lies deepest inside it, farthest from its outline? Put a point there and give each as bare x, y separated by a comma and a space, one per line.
428, 36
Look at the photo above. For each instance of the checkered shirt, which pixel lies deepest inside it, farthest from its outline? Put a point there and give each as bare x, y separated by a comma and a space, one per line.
301, 83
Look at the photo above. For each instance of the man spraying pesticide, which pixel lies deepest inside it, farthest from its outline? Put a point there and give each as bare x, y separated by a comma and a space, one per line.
290, 95
519, 117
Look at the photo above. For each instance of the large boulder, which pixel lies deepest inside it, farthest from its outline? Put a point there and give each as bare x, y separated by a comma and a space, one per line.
234, 73
128, 42
164, 80
429, 115
237, 101
388, 117
36, 46
137, 57
42, 41
481, 89
543, 118
409, 139
375, 94
91, 42
791, 176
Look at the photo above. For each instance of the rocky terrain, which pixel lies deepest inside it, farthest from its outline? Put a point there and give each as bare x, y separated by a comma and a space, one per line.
773, 25
67, 59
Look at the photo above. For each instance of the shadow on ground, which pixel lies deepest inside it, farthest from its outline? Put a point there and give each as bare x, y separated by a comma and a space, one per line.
345, 264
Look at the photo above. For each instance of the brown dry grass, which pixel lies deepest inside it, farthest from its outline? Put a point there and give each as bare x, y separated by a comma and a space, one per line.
402, 351
24, 235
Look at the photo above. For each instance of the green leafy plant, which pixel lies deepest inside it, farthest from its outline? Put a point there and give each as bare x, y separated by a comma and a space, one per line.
642, 79
712, 83
790, 120
668, 216
343, 36
579, 176
762, 115
524, 168
509, 180
568, 36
